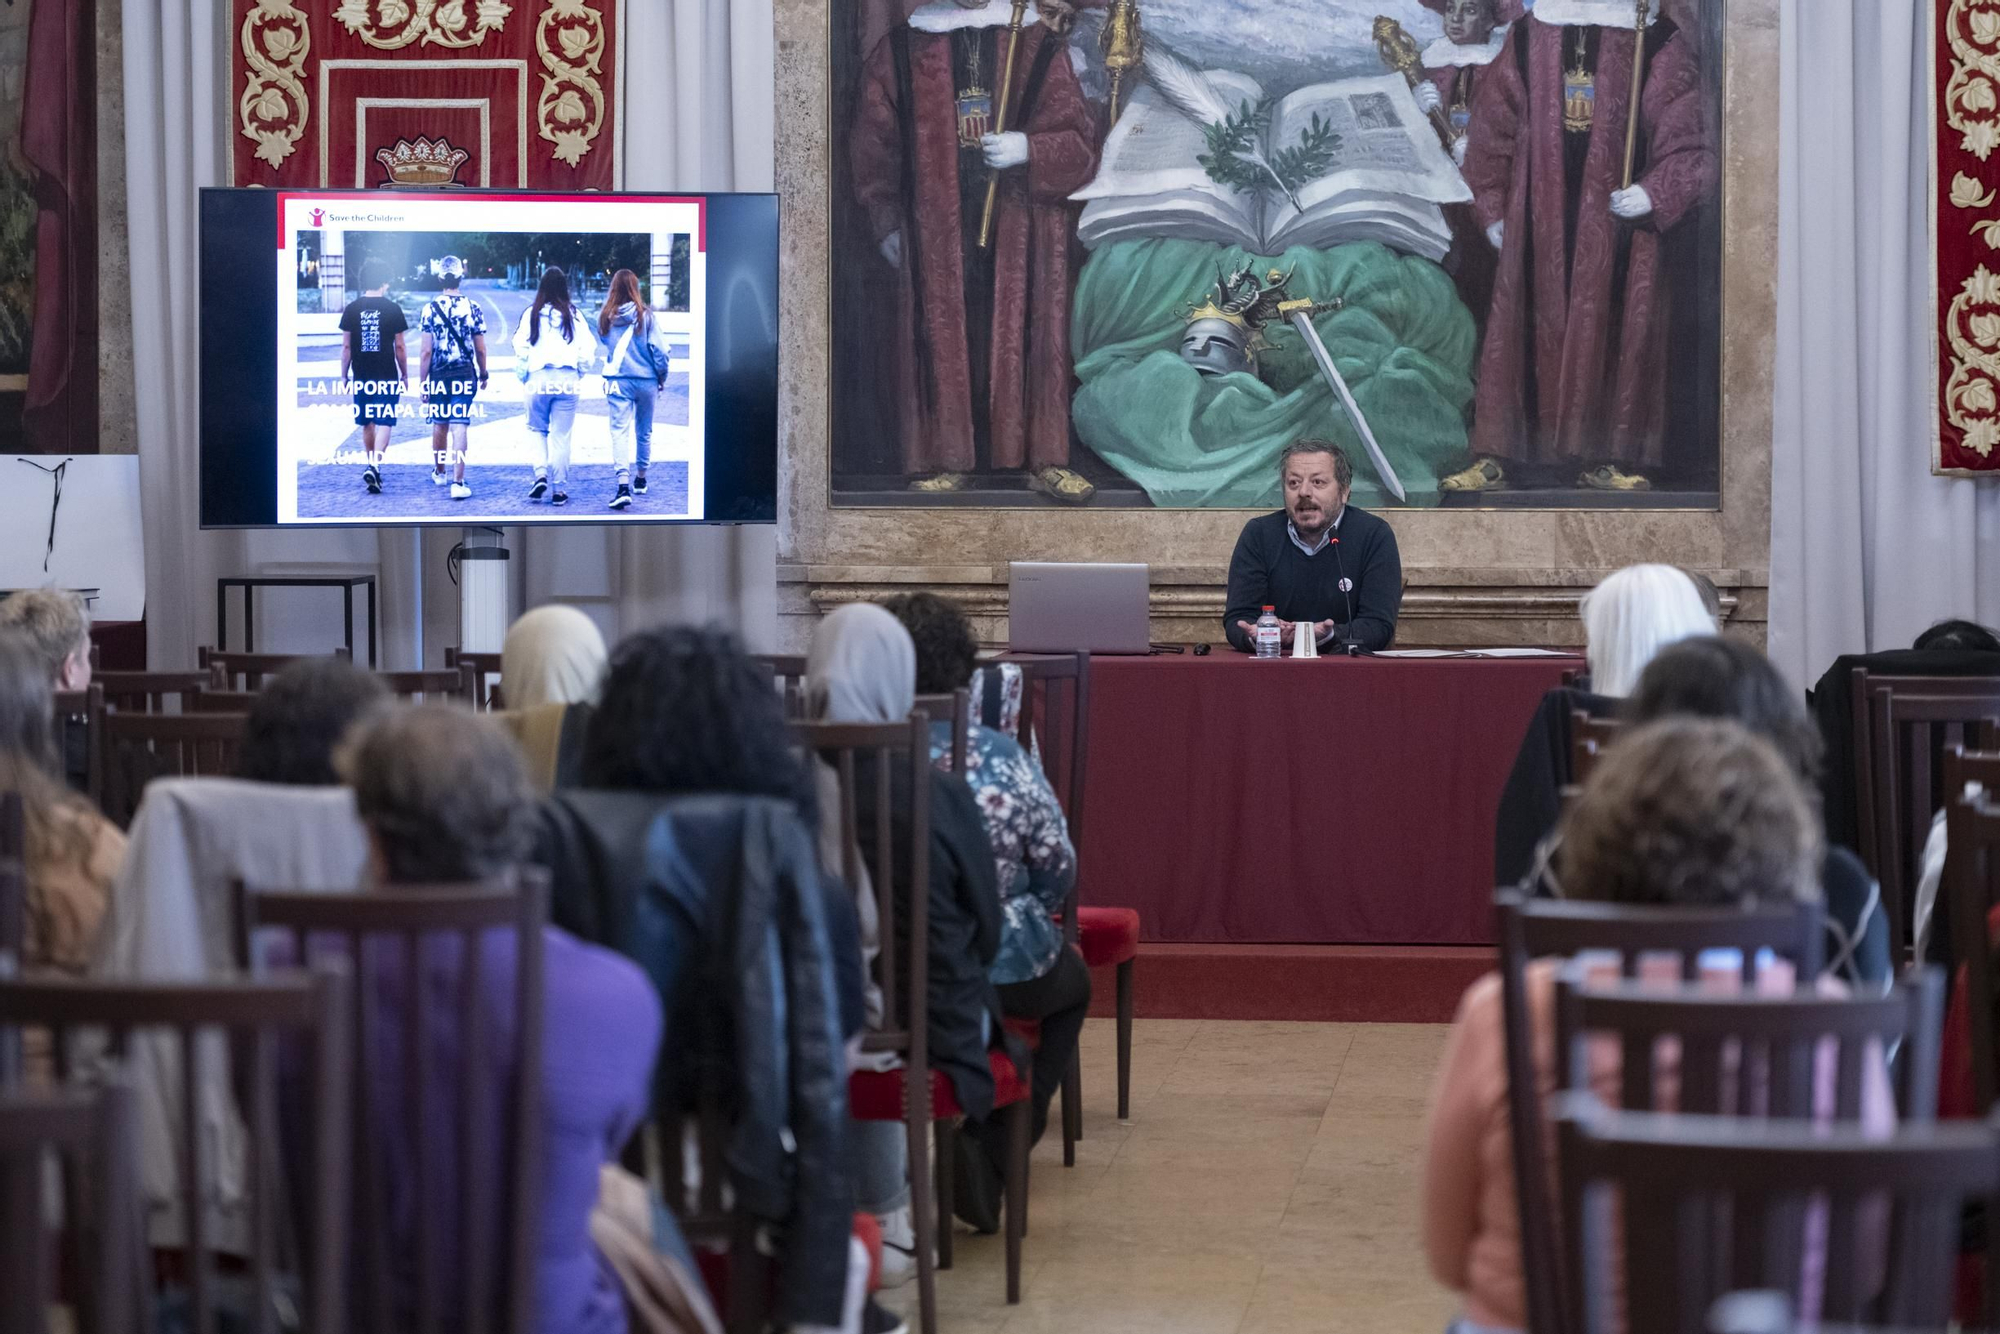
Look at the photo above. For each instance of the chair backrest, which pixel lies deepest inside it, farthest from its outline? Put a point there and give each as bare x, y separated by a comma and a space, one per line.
1971, 889
1901, 726
1055, 726
1685, 1209
484, 671
788, 676
879, 749
132, 749
91, 1137
956, 706
149, 692
252, 1015
226, 669
415, 919
450, 683
1541, 928
1588, 738
1749, 1054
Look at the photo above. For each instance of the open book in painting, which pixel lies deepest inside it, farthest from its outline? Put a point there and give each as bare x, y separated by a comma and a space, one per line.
1213, 160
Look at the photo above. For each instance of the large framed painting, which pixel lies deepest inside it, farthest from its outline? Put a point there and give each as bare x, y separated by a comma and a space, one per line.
1117, 253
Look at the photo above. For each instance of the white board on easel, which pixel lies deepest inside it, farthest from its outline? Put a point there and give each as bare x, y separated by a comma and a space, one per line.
93, 509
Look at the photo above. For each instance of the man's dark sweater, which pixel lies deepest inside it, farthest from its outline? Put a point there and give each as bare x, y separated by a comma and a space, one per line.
1269, 569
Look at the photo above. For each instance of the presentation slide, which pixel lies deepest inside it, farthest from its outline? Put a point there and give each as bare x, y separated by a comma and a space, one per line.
463, 358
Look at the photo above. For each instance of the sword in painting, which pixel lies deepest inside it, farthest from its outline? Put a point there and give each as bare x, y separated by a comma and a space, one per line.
1299, 315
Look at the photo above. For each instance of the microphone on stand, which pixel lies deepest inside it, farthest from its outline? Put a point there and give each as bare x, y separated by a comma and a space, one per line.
1340, 642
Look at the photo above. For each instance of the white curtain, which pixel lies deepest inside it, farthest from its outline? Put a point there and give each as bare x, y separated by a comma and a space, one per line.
700, 86
1867, 548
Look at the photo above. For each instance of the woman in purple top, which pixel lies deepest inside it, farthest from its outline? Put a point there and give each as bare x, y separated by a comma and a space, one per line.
445, 799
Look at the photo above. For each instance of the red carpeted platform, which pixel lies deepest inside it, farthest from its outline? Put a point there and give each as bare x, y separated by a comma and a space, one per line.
1397, 984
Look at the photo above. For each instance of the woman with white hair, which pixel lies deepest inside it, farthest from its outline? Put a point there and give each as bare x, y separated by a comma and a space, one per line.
1630, 616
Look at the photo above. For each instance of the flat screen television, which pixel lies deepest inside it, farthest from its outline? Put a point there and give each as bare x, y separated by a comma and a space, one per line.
361, 351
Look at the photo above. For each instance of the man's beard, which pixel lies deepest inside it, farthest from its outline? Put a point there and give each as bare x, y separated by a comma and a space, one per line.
1310, 522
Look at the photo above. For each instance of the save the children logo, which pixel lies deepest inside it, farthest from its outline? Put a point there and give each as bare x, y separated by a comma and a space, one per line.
318, 216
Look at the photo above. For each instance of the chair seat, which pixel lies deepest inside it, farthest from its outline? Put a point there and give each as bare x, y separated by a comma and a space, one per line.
1028, 1030
877, 1095
1107, 935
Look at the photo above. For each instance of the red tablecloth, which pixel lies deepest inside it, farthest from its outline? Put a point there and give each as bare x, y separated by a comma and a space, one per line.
1337, 801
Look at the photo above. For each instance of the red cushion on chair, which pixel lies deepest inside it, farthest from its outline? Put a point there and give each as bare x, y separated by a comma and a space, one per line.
1028, 1030
1107, 935
877, 1095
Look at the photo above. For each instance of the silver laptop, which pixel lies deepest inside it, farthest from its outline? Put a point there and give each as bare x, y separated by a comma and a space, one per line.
1058, 608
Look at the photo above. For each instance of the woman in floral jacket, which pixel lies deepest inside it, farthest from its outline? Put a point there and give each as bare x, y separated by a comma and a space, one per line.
1036, 976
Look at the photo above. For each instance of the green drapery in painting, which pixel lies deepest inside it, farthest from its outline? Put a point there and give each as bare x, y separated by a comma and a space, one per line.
1403, 340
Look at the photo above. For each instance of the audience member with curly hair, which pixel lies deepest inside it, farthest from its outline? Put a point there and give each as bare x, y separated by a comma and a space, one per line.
1712, 677
299, 719
1684, 812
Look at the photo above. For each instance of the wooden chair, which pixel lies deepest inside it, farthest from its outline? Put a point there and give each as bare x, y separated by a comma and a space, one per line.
1720, 1037
452, 683
1542, 928
226, 669
485, 669
132, 749
1589, 736
416, 919
221, 701
1684, 1209
1055, 724
91, 1136
149, 692
916, 1094
1901, 726
956, 706
252, 1015
788, 675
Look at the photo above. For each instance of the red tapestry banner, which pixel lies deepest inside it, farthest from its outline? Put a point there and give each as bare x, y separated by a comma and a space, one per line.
363, 93
1965, 236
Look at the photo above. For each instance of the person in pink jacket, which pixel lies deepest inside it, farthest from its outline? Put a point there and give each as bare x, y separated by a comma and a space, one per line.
1682, 812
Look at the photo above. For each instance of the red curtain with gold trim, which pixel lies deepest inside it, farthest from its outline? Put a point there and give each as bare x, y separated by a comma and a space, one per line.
501, 93
1965, 235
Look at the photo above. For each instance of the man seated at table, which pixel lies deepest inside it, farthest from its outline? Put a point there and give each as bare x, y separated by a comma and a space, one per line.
1319, 559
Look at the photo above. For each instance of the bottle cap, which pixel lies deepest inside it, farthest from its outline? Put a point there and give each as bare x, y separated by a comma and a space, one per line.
1270, 608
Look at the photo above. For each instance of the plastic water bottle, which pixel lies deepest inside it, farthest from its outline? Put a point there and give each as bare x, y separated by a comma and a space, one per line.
1269, 639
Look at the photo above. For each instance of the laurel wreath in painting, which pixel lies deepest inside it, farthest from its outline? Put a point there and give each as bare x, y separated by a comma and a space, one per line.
570, 40
389, 25
273, 109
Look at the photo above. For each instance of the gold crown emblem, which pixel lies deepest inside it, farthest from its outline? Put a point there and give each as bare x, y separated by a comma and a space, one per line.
1208, 310
422, 161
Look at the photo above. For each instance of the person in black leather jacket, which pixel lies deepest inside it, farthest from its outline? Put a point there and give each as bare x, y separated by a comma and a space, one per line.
691, 849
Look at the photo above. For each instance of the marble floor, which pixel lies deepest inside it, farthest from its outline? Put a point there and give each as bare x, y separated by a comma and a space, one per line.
1265, 1184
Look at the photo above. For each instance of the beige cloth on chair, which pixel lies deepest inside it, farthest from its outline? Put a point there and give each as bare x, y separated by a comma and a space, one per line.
538, 730
661, 1296
170, 917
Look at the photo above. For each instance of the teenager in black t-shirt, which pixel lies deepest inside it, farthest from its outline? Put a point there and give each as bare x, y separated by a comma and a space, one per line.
372, 356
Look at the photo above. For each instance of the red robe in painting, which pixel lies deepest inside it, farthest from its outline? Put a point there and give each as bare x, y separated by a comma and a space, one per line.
1030, 364
1575, 363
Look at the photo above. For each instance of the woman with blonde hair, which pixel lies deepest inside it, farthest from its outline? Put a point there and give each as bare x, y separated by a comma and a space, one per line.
635, 370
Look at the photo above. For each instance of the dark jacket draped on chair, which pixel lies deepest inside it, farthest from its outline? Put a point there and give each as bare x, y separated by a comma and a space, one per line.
720, 899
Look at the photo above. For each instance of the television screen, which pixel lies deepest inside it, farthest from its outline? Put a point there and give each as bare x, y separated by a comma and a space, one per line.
484, 357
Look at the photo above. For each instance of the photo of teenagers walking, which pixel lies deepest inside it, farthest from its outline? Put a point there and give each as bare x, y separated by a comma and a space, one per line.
544, 364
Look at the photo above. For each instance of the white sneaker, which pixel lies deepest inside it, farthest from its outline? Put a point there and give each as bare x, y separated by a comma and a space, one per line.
899, 1248
439, 478
460, 491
